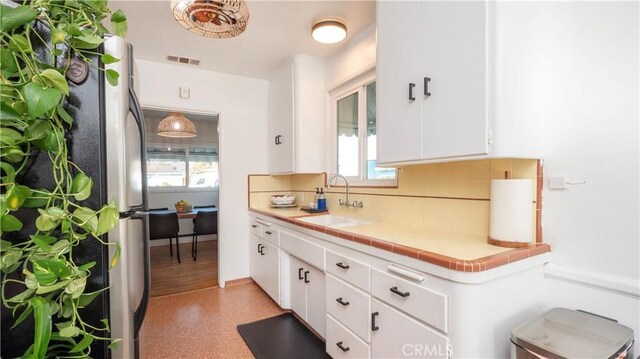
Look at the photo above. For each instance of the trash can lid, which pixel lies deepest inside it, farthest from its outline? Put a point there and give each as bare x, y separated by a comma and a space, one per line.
568, 333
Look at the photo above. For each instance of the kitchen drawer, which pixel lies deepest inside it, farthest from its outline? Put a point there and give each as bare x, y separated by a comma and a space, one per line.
303, 249
349, 270
420, 302
354, 311
397, 335
255, 228
271, 235
337, 333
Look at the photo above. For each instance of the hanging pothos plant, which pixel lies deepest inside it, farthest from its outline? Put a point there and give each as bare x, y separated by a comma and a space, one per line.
51, 286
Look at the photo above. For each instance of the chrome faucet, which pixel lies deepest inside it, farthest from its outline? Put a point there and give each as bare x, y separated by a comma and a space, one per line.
345, 202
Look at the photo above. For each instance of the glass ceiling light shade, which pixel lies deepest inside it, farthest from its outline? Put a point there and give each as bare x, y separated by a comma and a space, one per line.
329, 31
176, 125
221, 19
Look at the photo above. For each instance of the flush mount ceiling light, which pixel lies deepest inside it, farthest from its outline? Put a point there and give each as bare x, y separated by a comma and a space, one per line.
329, 31
221, 19
176, 125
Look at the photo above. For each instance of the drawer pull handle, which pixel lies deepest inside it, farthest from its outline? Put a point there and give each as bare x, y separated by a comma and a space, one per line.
306, 280
374, 327
254, 226
268, 232
343, 266
300, 273
339, 300
343, 348
396, 291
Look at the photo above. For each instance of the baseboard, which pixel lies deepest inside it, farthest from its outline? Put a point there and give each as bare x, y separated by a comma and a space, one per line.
616, 284
165, 242
237, 282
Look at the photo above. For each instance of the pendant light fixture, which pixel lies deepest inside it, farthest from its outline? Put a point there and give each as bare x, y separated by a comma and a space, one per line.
176, 125
220, 19
329, 31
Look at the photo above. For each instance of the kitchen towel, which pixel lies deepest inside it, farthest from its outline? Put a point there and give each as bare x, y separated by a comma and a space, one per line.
511, 212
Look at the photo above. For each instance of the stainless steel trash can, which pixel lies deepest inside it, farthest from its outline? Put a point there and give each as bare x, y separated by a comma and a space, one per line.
565, 333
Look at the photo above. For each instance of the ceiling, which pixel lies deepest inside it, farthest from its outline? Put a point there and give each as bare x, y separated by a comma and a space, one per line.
276, 31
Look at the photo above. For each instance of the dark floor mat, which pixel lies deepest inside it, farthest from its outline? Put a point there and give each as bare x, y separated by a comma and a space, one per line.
282, 337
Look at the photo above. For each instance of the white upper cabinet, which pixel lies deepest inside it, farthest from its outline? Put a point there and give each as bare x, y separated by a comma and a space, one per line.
398, 63
454, 64
296, 117
444, 69
281, 145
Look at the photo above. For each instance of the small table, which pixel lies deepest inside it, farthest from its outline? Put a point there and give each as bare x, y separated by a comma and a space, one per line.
193, 213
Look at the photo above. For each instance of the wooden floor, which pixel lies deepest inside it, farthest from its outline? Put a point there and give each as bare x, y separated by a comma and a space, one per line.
170, 277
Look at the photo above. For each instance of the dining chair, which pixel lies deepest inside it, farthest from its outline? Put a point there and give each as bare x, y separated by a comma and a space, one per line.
206, 222
201, 207
165, 225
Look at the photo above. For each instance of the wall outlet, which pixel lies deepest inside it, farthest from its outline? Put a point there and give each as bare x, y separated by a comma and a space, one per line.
557, 183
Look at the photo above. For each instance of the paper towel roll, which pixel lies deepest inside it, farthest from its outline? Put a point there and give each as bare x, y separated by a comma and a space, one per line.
511, 217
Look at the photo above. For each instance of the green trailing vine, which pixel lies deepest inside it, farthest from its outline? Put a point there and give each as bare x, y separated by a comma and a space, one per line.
42, 269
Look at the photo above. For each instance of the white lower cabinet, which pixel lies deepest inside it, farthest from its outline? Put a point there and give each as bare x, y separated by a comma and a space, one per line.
264, 266
396, 335
307, 293
416, 300
349, 305
342, 343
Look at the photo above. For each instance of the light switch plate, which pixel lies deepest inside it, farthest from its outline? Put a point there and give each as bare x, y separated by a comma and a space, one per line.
184, 92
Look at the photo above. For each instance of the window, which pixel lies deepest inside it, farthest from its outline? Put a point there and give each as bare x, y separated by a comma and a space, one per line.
169, 167
355, 119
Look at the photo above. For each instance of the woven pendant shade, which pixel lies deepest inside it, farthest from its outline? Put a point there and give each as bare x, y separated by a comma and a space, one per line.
176, 125
221, 19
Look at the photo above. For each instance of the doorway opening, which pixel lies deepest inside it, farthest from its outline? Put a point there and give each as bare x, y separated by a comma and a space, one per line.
183, 184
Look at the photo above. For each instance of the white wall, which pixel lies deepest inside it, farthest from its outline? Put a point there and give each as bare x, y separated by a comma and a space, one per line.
242, 105
591, 133
358, 56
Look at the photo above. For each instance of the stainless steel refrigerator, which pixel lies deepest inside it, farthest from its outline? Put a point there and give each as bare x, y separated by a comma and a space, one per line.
126, 182
108, 142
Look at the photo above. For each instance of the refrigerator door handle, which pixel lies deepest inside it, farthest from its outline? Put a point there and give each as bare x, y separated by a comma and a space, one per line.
136, 111
139, 314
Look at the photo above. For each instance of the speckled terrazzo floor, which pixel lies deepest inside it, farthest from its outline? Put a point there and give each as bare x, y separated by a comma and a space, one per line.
202, 324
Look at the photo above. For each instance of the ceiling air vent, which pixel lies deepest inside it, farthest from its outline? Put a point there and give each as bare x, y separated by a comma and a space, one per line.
183, 60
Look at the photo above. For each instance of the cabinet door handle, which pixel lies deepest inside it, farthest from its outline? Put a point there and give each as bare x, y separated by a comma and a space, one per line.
261, 249
374, 327
426, 86
343, 348
411, 86
254, 226
300, 273
259, 245
306, 280
268, 232
396, 291
278, 137
339, 300
343, 266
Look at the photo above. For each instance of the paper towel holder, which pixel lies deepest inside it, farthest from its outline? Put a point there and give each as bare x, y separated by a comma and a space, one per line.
505, 242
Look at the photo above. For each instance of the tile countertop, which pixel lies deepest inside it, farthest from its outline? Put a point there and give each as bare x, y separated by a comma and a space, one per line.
454, 251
